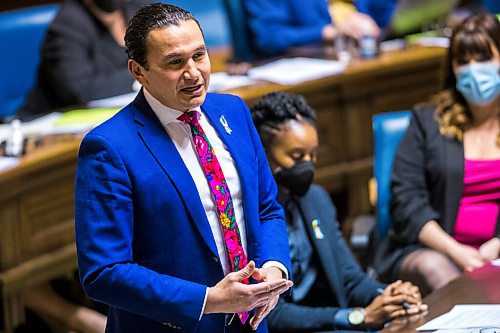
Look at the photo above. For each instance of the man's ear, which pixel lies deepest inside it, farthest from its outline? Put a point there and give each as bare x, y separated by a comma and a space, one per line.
137, 71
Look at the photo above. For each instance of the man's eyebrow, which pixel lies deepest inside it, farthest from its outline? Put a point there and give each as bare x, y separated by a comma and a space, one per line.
178, 54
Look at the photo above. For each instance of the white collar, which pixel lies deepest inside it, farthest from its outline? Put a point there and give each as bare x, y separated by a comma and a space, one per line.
164, 113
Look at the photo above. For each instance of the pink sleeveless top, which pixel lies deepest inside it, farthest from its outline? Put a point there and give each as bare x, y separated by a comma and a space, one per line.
479, 207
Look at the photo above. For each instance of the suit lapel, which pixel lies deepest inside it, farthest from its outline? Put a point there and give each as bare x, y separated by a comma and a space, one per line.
164, 151
325, 250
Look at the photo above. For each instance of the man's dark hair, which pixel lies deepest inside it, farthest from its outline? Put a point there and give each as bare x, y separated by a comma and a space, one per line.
151, 17
276, 108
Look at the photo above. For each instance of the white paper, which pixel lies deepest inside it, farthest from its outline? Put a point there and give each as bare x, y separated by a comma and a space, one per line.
496, 262
464, 330
289, 71
466, 316
443, 42
8, 162
223, 81
460, 330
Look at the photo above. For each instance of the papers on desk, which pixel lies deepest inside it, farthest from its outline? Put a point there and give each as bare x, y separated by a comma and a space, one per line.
113, 102
496, 262
470, 316
8, 162
71, 122
290, 71
223, 81
443, 42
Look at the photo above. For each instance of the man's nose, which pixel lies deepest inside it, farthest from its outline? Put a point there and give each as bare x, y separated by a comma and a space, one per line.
191, 72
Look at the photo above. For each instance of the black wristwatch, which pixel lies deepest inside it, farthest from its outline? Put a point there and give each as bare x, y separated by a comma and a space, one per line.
356, 316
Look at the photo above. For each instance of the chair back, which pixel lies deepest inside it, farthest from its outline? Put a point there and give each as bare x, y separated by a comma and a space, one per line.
22, 32
240, 34
388, 130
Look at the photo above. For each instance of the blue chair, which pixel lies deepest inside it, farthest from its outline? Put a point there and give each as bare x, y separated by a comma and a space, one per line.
240, 34
21, 35
388, 130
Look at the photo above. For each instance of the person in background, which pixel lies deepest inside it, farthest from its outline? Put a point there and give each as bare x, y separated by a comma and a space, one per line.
330, 290
445, 202
352, 20
276, 26
83, 56
177, 224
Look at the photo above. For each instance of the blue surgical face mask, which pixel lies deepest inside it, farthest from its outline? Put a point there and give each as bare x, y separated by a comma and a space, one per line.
479, 82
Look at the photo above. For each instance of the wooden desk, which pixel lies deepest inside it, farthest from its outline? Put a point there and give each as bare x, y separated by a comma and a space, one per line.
37, 225
36, 197
478, 287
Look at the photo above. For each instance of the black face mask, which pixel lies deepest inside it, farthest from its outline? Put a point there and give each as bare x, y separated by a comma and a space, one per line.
107, 6
297, 179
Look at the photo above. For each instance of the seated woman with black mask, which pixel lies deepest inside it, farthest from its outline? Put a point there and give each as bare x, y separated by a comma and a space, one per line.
331, 291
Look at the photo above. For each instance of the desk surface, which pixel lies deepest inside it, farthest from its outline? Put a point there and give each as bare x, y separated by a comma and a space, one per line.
479, 287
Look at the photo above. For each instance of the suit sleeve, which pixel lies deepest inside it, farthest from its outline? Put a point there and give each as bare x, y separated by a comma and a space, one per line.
410, 202
290, 317
277, 26
273, 235
360, 288
104, 235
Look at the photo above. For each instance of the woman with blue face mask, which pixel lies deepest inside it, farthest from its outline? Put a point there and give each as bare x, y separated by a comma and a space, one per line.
446, 178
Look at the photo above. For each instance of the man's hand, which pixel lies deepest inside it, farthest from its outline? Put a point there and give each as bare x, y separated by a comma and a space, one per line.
231, 296
390, 304
266, 275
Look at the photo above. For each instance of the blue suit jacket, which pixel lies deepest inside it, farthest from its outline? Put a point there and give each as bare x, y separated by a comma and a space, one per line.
279, 24
144, 244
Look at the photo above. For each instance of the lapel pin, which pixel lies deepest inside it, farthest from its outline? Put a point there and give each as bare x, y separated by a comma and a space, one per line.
224, 123
317, 230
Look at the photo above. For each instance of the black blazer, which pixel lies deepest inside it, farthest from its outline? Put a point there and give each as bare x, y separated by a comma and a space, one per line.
426, 184
80, 61
350, 285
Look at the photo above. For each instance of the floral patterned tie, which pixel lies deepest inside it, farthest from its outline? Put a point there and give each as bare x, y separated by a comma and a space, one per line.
223, 200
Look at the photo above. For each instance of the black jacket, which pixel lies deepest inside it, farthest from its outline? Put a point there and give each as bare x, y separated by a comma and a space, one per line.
346, 281
426, 184
80, 61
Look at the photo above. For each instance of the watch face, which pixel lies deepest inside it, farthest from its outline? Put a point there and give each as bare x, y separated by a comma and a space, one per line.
356, 316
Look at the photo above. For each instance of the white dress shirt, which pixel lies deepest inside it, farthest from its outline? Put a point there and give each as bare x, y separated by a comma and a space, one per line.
181, 135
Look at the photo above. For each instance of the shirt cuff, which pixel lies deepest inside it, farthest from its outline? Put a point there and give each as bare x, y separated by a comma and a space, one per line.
204, 303
273, 263
341, 318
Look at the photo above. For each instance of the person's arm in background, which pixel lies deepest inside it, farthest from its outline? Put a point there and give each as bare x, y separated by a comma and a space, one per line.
361, 290
70, 63
279, 25
414, 219
289, 317
349, 21
434, 237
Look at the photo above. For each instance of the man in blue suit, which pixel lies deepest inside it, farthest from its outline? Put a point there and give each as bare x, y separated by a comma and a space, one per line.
151, 241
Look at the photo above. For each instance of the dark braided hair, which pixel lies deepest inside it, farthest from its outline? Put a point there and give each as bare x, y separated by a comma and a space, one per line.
275, 109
